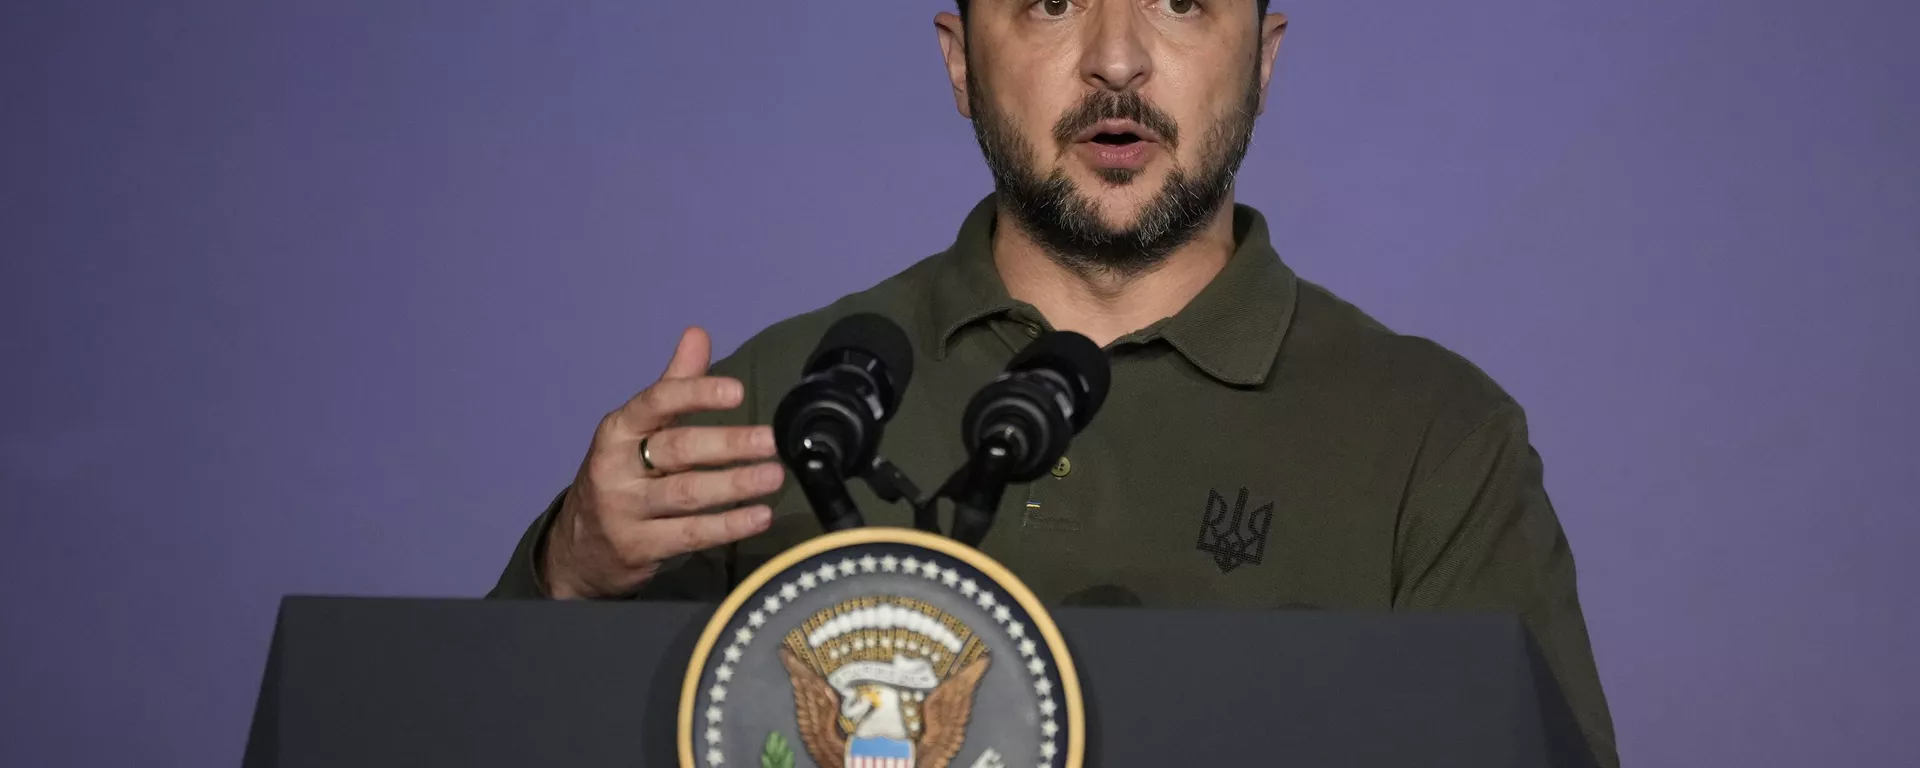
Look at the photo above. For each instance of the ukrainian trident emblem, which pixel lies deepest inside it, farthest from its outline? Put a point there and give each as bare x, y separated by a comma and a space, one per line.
1233, 536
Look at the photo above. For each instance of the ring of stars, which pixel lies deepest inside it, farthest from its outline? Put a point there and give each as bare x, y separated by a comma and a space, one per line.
930, 570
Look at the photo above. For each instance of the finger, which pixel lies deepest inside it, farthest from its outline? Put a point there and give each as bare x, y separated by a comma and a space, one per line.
661, 539
656, 406
680, 448
692, 356
689, 492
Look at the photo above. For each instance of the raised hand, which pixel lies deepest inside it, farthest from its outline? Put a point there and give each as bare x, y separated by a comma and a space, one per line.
649, 490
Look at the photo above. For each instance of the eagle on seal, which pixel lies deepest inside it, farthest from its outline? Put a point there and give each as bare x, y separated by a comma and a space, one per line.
881, 734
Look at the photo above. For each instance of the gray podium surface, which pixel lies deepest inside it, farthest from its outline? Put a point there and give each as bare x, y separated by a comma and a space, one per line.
475, 684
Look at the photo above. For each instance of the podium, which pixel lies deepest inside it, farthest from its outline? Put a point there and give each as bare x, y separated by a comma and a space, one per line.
476, 684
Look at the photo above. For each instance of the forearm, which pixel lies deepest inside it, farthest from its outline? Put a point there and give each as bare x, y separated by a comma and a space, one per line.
697, 576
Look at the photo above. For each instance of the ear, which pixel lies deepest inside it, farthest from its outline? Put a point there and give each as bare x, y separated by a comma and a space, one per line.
1272, 27
953, 48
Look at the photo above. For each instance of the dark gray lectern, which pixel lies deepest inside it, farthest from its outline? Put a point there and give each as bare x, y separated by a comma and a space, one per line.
477, 684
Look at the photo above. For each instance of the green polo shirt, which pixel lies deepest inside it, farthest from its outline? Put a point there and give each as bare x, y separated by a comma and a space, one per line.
1269, 446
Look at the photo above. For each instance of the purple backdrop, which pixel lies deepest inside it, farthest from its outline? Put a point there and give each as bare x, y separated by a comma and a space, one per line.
326, 297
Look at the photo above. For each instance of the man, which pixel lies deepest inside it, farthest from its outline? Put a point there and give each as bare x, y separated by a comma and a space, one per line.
1264, 443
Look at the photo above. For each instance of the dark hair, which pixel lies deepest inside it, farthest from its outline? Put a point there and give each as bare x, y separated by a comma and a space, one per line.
963, 7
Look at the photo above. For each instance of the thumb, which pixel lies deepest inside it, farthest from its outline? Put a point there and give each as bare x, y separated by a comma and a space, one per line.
691, 357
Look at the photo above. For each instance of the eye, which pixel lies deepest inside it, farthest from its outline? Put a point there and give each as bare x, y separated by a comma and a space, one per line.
1054, 8
1180, 7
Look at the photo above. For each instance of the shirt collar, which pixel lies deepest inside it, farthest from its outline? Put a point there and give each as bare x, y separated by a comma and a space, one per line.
1231, 330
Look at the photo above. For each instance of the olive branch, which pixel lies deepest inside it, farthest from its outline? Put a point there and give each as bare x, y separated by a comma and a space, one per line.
776, 754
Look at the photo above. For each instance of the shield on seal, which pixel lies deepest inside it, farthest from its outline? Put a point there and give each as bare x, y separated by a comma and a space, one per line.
870, 648
879, 753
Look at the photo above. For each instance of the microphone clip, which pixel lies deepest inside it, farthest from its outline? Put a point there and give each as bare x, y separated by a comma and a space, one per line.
827, 491
975, 489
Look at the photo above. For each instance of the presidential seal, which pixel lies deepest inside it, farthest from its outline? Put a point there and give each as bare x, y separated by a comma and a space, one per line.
881, 648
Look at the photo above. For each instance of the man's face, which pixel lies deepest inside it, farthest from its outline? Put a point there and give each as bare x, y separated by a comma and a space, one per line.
1114, 127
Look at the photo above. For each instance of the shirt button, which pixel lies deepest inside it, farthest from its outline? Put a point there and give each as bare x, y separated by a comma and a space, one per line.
1033, 330
1062, 467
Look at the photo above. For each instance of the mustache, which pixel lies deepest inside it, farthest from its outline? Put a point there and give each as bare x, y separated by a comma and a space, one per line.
1108, 105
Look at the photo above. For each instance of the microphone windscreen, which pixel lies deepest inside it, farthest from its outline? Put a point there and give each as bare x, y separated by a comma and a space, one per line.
1079, 359
877, 336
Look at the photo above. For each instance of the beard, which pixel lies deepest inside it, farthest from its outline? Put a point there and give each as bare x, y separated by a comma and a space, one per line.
1067, 223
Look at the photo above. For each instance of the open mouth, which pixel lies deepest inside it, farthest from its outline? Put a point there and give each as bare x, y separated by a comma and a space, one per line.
1117, 148
1117, 133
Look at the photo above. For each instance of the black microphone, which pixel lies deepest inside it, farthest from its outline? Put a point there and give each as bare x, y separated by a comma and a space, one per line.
827, 428
1048, 393
1020, 423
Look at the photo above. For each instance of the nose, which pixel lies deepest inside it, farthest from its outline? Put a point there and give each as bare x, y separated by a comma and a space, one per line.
1116, 56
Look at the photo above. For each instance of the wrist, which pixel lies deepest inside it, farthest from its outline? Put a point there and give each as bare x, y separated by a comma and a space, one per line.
555, 583
551, 570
